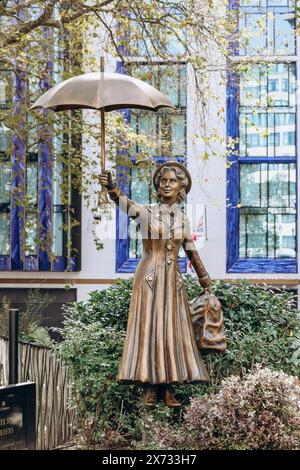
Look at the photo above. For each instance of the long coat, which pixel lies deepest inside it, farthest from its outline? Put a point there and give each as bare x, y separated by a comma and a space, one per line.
160, 345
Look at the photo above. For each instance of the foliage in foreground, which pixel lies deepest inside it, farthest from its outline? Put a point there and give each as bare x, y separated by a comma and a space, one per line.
259, 411
261, 327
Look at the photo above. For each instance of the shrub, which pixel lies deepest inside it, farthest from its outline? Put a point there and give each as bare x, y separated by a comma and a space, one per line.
105, 409
261, 327
260, 411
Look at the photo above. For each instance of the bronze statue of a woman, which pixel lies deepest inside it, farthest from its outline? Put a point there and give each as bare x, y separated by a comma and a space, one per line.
160, 347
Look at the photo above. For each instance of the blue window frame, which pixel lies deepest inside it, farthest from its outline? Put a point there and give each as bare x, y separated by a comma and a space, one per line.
261, 175
172, 144
31, 234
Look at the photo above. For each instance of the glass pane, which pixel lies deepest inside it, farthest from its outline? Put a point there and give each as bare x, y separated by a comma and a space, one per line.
135, 240
4, 138
268, 86
256, 236
139, 186
285, 124
250, 182
257, 135
5, 182
274, 97
5, 89
253, 29
269, 207
170, 83
292, 84
178, 135
31, 182
271, 231
253, 85
147, 124
252, 3
182, 87
292, 186
31, 235
281, 3
57, 246
33, 134
242, 134
57, 180
276, 130
4, 233
265, 30
284, 34
242, 236
281, 85
278, 175
166, 129
132, 239
285, 236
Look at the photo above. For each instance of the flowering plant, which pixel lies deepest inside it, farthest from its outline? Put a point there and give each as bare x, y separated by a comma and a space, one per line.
259, 411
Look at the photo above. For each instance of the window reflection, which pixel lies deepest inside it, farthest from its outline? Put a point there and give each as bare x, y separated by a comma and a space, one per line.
166, 129
267, 28
58, 209
268, 134
268, 86
5, 184
4, 233
268, 211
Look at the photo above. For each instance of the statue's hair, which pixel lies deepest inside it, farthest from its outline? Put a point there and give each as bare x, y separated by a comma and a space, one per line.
181, 176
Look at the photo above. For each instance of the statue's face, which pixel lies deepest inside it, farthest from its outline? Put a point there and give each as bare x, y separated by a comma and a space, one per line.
169, 186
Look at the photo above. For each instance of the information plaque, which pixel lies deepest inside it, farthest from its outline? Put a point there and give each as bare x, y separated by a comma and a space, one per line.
18, 416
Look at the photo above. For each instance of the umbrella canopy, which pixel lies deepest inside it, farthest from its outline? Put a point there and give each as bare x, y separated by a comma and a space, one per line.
103, 91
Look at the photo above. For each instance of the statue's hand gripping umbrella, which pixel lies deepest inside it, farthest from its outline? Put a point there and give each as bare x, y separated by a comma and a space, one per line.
104, 92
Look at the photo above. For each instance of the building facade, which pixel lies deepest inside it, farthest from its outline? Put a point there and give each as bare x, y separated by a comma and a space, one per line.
247, 222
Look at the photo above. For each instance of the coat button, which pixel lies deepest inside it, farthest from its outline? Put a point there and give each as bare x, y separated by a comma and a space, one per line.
169, 261
169, 246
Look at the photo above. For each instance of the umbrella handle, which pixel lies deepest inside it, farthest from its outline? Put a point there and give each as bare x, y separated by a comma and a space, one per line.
102, 141
103, 194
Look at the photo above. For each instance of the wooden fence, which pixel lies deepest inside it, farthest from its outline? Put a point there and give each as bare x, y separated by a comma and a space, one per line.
55, 417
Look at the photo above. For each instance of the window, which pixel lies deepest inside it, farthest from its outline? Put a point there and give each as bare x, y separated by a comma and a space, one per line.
32, 215
267, 28
168, 130
261, 114
268, 210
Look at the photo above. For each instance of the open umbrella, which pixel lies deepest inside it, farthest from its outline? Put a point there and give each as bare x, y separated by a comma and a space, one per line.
105, 92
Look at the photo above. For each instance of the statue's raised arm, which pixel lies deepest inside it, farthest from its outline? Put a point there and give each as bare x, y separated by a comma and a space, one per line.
116, 194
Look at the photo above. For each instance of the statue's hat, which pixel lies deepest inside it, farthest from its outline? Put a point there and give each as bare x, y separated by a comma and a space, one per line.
171, 163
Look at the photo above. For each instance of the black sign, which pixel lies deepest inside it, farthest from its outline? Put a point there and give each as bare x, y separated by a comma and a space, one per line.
17, 416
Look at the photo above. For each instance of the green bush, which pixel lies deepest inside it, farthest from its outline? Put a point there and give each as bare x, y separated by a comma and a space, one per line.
105, 409
261, 327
